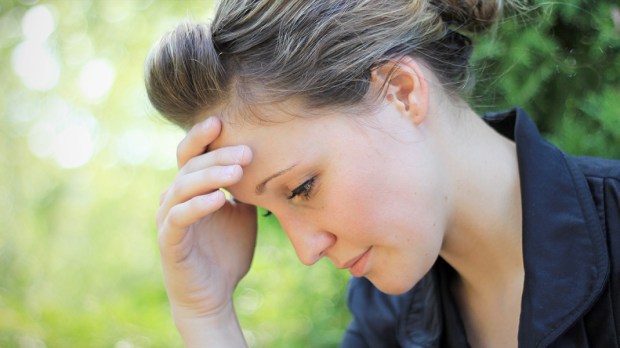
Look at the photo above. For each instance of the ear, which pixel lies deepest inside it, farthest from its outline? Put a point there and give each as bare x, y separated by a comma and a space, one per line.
404, 86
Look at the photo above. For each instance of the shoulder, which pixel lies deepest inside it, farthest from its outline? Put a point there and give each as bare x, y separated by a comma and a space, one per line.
594, 167
603, 178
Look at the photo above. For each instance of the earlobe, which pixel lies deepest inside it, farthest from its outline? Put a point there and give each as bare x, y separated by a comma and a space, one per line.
404, 87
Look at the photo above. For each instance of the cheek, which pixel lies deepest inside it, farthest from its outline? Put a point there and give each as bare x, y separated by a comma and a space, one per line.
363, 210
390, 205
352, 205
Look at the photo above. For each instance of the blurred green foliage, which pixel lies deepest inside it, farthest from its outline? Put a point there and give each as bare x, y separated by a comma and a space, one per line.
83, 161
560, 61
83, 158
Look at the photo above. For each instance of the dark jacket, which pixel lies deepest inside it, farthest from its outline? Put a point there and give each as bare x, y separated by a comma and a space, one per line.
571, 250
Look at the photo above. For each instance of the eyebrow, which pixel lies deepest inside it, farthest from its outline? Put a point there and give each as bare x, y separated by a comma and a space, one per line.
260, 188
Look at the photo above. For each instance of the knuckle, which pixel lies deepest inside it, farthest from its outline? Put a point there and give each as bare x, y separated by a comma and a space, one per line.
162, 241
159, 219
162, 196
210, 174
194, 203
183, 169
175, 217
174, 190
193, 164
180, 189
181, 148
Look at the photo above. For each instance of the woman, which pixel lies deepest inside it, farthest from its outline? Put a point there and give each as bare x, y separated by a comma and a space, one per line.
344, 119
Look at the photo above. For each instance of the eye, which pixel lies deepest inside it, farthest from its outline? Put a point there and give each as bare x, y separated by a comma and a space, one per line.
266, 213
304, 190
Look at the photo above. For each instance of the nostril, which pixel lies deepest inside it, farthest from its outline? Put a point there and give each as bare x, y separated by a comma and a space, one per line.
310, 256
323, 253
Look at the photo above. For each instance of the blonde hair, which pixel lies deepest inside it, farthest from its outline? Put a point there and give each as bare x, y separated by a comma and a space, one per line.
321, 52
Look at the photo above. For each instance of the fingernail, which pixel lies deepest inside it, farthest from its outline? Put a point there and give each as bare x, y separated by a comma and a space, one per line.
213, 196
239, 153
229, 171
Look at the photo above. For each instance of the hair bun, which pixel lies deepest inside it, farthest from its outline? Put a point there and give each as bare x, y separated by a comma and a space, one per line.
175, 68
469, 15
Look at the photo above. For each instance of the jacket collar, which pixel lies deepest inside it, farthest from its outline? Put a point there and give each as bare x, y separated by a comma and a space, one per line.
564, 249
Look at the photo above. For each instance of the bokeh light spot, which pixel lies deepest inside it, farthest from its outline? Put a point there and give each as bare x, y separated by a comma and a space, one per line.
38, 23
39, 139
163, 156
36, 66
96, 79
134, 146
73, 147
65, 134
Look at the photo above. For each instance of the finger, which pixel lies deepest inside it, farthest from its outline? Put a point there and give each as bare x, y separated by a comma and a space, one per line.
241, 155
183, 215
197, 139
162, 196
201, 182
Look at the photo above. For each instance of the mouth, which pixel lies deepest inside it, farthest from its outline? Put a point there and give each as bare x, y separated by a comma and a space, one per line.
357, 265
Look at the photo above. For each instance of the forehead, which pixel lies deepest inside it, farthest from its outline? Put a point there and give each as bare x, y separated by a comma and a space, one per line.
252, 133
240, 123
275, 123
278, 145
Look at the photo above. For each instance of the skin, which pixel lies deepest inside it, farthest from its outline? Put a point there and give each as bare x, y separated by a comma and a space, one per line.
350, 205
395, 185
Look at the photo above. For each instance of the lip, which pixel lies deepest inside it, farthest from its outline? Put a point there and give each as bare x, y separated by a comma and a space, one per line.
357, 266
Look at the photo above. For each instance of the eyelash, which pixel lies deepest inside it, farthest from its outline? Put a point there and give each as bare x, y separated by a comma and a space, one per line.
304, 190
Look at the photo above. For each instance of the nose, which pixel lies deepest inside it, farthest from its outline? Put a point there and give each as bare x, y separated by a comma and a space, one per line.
310, 242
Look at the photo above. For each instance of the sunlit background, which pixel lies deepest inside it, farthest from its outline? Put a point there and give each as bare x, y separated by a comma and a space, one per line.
83, 158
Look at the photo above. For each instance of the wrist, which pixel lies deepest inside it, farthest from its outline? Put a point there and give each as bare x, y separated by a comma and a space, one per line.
218, 328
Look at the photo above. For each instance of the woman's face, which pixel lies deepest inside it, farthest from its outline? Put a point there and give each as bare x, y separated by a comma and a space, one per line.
365, 191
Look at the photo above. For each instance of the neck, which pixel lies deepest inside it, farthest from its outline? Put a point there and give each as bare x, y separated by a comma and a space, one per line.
483, 241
